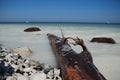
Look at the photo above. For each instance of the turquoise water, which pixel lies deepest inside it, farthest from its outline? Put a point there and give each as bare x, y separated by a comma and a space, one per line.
106, 56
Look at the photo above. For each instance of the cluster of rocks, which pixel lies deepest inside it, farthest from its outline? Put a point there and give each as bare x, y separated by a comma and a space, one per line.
15, 67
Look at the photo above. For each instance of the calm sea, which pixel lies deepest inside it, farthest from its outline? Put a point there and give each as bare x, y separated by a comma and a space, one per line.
106, 56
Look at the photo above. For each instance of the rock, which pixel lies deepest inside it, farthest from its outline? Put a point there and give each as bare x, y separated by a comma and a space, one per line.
5, 71
54, 74
23, 51
29, 69
34, 63
56, 71
38, 76
32, 29
103, 40
21, 77
11, 78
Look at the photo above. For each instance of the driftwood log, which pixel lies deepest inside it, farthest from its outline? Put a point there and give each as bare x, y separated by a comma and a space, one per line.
74, 66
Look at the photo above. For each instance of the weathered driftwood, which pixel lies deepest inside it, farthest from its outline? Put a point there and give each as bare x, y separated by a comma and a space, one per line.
74, 66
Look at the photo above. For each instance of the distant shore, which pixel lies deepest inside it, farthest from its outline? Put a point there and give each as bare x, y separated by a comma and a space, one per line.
62, 22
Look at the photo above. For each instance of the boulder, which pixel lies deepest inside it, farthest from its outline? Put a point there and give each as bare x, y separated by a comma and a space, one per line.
38, 76
23, 51
34, 63
32, 29
103, 40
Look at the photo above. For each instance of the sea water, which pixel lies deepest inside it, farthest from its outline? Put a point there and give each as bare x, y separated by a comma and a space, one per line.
106, 56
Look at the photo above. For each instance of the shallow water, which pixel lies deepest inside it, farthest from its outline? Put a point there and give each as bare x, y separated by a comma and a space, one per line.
106, 56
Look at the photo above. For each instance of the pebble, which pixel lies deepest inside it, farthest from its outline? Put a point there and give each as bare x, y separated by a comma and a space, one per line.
24, 69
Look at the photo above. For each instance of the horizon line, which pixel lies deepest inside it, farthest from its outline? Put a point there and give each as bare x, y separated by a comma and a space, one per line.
59, 22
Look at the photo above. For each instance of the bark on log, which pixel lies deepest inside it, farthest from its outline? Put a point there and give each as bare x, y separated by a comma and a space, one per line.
74, 66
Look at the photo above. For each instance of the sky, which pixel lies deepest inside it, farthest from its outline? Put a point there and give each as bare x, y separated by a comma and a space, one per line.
60, 11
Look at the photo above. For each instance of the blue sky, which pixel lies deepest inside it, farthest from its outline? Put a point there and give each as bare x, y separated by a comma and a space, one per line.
60, 11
